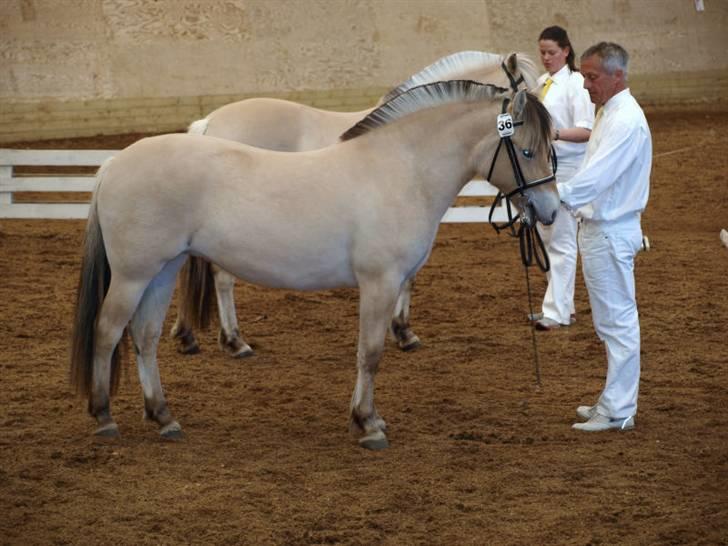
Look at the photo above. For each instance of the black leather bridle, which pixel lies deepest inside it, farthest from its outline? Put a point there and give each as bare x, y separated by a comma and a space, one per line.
514, 82
531, 244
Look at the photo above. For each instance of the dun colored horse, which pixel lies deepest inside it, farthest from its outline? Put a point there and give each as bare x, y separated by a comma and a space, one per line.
364, 213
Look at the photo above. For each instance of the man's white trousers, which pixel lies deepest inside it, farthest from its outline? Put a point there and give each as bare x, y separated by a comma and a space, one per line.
607, 252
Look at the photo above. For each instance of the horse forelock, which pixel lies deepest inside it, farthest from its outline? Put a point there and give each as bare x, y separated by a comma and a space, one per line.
454, 66
425, 96
536, 124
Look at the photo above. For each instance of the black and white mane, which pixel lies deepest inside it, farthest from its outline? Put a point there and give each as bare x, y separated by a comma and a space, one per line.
425, 96
430, 95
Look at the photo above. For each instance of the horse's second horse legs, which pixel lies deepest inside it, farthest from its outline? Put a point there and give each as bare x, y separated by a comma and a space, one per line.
146, 329
400, 327
376, 302
229, 339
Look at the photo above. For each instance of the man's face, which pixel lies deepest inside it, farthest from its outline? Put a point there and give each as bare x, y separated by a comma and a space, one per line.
600, 85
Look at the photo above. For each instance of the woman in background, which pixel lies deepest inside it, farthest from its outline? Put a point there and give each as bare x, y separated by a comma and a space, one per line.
572, 112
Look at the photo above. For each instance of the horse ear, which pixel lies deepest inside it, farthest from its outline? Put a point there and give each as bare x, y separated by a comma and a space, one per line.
519, 103
512, 63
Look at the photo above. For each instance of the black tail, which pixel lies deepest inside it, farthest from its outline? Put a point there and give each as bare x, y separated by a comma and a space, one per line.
92, 288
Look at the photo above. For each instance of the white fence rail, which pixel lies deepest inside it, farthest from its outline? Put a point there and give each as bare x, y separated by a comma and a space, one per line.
11, 182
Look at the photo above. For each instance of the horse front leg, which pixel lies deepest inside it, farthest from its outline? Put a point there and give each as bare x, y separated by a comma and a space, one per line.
400, 327
376, 303
229, 339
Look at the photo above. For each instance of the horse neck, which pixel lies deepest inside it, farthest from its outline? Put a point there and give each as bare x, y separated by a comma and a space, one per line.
448, 145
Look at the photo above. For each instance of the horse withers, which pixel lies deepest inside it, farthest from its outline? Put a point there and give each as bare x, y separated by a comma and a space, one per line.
364, 213
286, 126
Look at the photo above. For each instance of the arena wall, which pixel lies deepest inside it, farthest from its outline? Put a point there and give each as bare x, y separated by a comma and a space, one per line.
86, 67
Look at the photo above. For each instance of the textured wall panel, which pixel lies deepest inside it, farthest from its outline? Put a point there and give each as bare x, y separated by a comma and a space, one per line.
117, 51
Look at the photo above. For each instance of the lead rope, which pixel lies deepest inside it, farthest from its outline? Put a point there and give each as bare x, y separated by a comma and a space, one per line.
532, 247
536, 364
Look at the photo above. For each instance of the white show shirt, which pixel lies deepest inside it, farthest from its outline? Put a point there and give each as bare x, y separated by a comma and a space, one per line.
570, 106
615, 177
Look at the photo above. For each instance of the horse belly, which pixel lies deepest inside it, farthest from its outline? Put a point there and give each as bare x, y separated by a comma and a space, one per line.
275, 262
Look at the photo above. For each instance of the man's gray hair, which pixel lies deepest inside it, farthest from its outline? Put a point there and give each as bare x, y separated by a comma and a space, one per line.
614, 56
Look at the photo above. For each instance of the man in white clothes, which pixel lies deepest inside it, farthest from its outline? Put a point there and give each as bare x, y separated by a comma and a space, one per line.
611, 189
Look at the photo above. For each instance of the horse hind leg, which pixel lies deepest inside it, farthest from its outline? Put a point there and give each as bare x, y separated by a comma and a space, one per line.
229, 339
119, 304
146, 329
400, 327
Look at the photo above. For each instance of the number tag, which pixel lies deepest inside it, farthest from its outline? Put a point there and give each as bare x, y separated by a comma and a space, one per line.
505, 125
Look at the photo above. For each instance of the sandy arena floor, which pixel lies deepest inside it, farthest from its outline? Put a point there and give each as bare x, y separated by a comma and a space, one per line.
478, 455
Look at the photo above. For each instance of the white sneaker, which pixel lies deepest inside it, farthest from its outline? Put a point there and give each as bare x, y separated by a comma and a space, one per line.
599, 423
586, 412
535, 316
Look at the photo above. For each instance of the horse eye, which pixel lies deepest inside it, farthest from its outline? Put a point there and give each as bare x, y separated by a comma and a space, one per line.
527, 153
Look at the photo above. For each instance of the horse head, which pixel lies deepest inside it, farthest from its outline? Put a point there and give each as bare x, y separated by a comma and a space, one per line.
521, 167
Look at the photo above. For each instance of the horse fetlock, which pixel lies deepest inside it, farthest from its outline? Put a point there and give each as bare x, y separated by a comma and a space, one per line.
403, 334
107, 428
408, 340
234, 344
366, 425
159, 413
99, 407
186, 342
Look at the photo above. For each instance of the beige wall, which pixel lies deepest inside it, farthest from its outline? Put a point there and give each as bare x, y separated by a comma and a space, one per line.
76, 67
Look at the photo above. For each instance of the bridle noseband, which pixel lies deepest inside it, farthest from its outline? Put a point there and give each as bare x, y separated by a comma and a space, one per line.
527, 233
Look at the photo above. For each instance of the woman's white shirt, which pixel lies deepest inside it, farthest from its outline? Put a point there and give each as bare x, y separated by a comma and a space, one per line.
570, 106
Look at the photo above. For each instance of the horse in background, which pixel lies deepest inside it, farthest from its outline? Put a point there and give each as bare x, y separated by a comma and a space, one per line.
276, 124
363, 213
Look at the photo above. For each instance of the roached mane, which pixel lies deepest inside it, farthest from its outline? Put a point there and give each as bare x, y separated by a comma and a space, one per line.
451, 67
424, 96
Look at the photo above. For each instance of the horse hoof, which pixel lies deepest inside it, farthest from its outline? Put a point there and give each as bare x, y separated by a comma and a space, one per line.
243, 352
172, 431
412, 343
374, 441
109, 430
188, 349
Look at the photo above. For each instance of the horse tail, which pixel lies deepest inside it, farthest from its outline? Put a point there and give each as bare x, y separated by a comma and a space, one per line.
198, 127
93, 285
196, 291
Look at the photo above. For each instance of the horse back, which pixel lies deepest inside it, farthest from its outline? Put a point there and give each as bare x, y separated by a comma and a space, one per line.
281, 125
